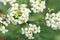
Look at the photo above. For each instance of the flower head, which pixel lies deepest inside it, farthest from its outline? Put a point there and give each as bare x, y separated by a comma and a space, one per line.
4, 21
53, 20
37, 5
29, 31
18, 13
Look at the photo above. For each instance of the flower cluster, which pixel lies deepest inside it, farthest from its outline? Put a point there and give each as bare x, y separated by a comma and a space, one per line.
7, 1
18, 13
3, 23
37, 5
29, 31
53, 20
3, 29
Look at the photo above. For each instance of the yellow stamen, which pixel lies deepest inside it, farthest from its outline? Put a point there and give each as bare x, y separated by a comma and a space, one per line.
18, 14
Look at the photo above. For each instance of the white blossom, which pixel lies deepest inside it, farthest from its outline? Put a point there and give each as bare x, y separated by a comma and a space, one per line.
12, 1
4, 1
3, 23
7, 1
18, 13
3, 30
37, 5
53, 20
29, 31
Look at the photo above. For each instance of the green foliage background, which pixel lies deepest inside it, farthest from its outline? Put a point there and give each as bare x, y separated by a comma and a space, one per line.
47, 33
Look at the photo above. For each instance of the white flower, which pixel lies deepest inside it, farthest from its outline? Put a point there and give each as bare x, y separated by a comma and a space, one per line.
29, 31
37, 30
4, 21
23, 5
18, 13
31, 38
34, 28
32, 1
12, 1
37, 5
3, 30
48, 23
53, 20
23, 31
7, 1
14, 6
4, 1
47, 16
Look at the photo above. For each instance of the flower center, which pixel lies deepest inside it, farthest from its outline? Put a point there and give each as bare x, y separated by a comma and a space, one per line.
38, 2
18, 14
56, 20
